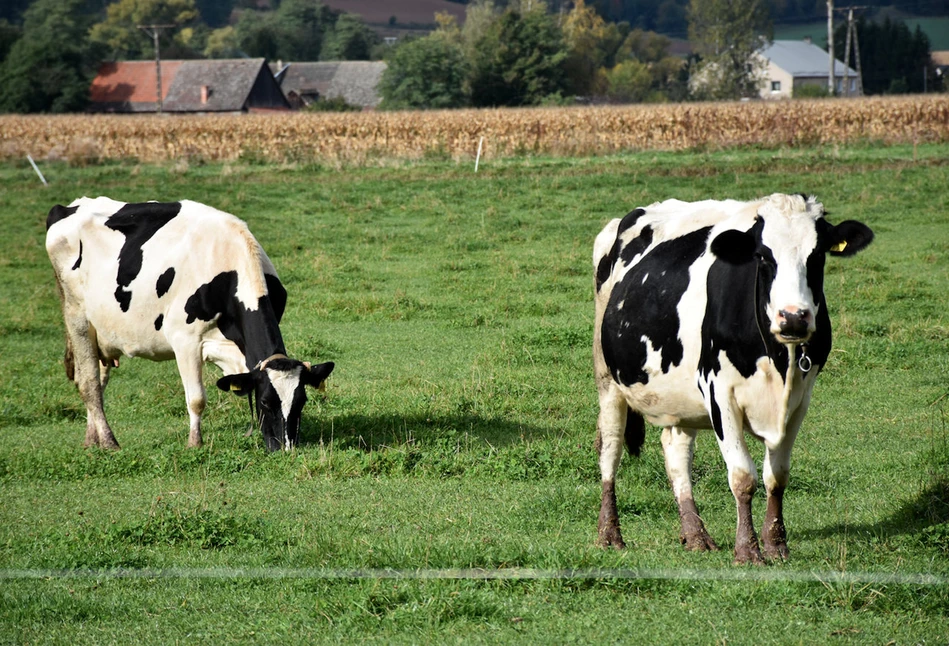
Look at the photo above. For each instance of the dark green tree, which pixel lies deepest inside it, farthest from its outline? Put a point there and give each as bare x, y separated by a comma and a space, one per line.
427, 72
520, 60
295, 31
9, 34
893, 58
49, 69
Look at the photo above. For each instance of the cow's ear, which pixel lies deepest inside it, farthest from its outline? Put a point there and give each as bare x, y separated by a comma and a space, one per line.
315, 375
734, 247
849, 237
240, 384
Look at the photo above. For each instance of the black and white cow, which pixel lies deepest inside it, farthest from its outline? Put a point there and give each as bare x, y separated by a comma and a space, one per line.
712, 315
181, 281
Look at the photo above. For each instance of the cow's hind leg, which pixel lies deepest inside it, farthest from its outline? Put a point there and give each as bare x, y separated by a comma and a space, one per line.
190, 365
610, 431
82, 360
678, 447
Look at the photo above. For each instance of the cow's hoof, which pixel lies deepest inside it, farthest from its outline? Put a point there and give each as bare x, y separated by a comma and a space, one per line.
611, 537
698, 542
748, 556
776, 552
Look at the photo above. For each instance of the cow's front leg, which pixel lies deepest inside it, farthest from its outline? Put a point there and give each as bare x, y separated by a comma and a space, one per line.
742, 475
190, 366
610, 427
777, 469
678, 447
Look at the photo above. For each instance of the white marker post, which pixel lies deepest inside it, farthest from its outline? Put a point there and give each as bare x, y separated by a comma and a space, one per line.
36, 168
478, 157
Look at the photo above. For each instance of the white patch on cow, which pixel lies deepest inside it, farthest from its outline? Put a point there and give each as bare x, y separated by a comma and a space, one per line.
285, 382
619, 305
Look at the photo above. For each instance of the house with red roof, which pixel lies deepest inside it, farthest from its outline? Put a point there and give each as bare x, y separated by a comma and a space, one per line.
226, 85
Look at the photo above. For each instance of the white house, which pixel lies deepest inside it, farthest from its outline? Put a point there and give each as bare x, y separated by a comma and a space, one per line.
792, 64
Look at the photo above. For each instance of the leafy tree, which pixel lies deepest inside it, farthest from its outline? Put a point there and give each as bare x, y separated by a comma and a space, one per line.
629, 82
222, 43
427, 72
727, 33
350, 40
591, 42
9, 34
49, 69
667, 77
120, 32
519, 60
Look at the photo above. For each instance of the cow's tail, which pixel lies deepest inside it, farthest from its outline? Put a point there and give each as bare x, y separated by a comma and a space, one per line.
635, 433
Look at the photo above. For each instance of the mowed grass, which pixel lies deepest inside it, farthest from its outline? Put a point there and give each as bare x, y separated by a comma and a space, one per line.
457, 430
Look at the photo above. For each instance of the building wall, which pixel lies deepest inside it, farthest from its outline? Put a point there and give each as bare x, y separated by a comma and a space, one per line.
776, 84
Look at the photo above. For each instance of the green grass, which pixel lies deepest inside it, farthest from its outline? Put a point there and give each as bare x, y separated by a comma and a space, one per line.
458, 426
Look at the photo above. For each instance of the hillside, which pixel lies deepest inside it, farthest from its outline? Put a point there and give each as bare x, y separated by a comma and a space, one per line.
378, 13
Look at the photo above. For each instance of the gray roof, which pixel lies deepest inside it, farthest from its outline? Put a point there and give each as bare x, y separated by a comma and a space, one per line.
229, 81
800, 58
354, 81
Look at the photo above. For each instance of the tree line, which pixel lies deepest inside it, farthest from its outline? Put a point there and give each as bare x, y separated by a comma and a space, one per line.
505, 53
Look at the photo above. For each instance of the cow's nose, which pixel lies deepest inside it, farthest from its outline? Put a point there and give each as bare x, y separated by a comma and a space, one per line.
794, 323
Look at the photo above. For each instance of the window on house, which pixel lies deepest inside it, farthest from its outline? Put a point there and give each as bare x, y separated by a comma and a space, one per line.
775, 86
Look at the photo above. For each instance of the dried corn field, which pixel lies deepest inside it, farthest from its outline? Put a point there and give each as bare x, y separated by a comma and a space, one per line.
365, 138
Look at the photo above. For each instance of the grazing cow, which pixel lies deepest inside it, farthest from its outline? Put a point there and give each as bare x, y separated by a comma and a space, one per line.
181, 281
712, 315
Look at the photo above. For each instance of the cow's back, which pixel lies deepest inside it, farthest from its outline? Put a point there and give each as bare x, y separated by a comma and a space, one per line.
131, 268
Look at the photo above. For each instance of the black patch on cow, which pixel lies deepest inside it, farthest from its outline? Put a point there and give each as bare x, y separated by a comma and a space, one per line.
716, 413
59, 212
605, 266
78, 262
164, 282
637, 245
277, 294
159, 321
138, 223
735, 319
255, 332
649, 308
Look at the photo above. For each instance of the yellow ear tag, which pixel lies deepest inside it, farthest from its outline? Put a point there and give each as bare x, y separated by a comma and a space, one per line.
840, 246
235, 387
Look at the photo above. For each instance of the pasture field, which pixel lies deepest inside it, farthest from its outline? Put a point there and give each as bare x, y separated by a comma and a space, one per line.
457, 430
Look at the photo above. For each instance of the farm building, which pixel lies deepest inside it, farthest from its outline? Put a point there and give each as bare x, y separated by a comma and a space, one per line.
231, 85
353, 81
793, 64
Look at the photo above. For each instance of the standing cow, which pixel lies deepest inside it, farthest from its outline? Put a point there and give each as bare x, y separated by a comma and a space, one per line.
181, 281
712, 315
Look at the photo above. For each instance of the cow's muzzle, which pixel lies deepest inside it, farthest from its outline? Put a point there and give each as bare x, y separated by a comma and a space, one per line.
794, 325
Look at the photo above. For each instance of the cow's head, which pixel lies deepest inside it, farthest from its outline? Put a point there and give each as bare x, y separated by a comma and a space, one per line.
280, 386
788, 243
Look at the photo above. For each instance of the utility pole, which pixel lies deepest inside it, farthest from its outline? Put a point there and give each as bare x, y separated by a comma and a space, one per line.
830, 46
154, 31
847, 53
